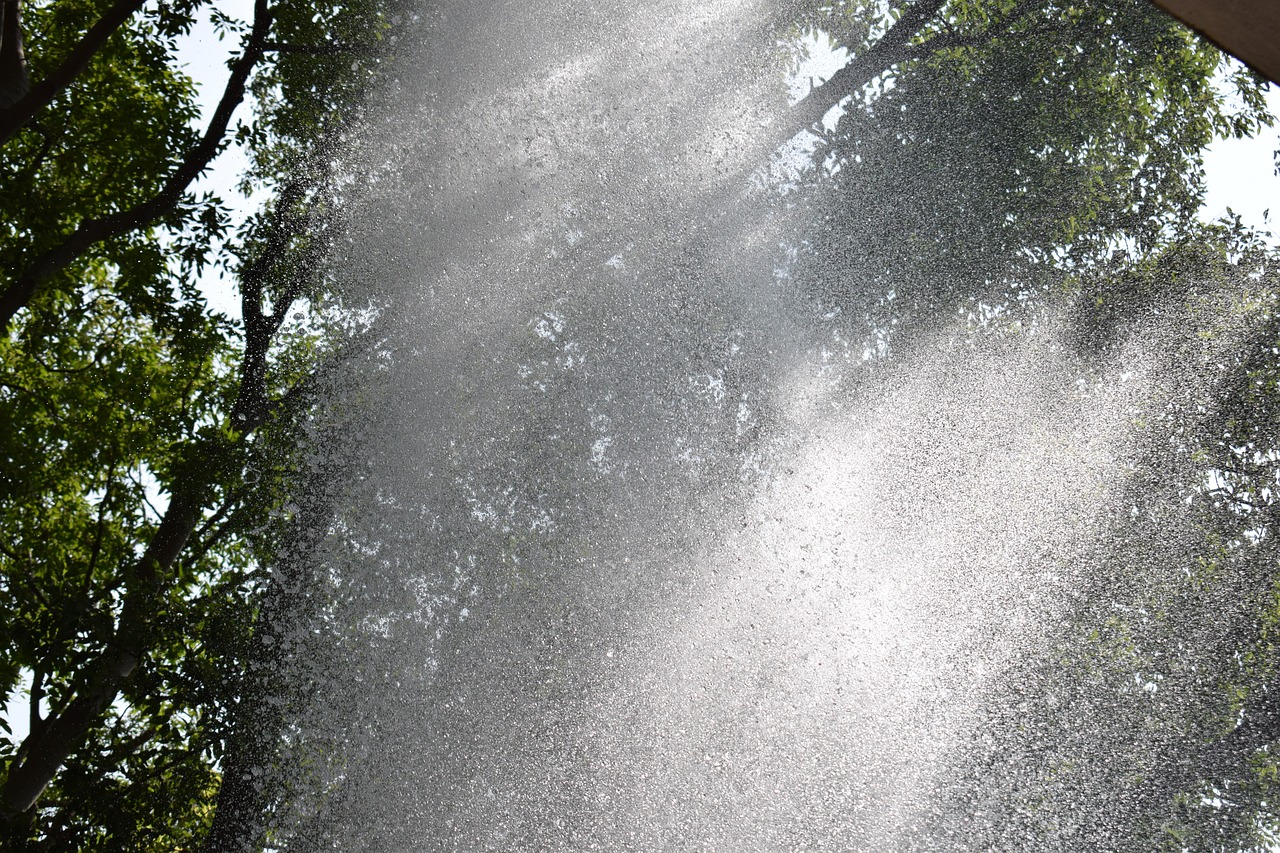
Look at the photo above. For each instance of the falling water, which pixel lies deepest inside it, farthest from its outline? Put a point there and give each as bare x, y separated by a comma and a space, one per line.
624, 540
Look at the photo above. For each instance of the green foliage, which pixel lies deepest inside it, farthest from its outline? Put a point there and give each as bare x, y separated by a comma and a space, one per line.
116, 388
111, 404
1050, 153
106, 143
1031, 140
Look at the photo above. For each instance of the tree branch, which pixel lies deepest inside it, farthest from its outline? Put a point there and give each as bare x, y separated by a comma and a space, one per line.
14, 81
890, 50
14, 118
37, 696
94, 231
288, 217
43, 753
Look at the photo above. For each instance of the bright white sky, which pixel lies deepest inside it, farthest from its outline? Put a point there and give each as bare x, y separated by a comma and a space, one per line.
1241, 174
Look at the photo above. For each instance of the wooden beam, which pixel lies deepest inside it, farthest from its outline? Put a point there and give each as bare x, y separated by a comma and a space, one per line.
1247, 29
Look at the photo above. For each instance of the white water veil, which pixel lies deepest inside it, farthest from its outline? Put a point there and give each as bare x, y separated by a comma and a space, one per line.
637, 542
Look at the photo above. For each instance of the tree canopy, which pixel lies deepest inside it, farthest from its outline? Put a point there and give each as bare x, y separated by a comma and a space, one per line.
998, 152
1061, 159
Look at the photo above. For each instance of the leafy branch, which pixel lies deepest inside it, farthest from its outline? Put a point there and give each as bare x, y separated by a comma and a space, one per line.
94, 231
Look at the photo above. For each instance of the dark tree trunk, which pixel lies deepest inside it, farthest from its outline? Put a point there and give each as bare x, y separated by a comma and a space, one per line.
14, 80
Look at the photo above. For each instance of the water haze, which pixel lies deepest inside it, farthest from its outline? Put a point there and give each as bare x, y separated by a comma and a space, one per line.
629, 540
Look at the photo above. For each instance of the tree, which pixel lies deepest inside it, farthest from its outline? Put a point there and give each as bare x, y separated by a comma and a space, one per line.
142, 628
1062, 160
1146, 720
1081, 178
1060, 141
130, 574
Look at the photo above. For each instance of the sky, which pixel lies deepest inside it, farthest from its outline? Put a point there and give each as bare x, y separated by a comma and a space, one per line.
1240, 174
206, 61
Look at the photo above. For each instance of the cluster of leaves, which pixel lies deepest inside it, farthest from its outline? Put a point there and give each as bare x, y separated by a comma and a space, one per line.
110, 406
103, 145
1026, 138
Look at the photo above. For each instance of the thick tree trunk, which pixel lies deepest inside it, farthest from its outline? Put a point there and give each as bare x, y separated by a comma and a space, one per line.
14, 82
